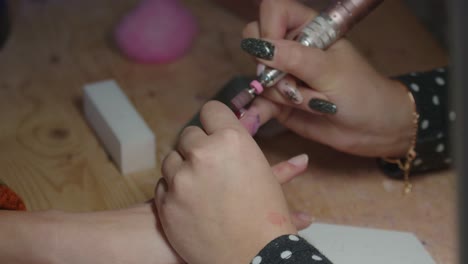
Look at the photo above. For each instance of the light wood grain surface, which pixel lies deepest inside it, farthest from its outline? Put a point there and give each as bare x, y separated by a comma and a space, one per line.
52, 158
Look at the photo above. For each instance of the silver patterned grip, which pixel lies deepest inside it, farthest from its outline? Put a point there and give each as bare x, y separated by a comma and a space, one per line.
320, 33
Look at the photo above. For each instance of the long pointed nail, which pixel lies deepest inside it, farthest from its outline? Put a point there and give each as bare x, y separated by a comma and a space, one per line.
299, 160
322, 106
259, 48
289, 91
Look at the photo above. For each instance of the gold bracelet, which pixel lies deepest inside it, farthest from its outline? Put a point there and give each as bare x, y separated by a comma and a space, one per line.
405, 163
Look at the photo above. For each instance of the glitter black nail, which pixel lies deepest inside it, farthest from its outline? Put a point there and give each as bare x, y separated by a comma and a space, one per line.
322, 106
258, 48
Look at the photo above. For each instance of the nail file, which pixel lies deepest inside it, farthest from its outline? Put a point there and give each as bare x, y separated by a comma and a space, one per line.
122, 131
357, 245
226, 94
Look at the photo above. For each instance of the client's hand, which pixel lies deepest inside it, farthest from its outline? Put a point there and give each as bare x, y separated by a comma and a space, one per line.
219, 201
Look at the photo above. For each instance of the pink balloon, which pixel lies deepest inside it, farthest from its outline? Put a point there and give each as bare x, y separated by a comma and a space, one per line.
157, 31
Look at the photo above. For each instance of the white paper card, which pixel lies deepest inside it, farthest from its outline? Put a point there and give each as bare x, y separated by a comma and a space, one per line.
356, 245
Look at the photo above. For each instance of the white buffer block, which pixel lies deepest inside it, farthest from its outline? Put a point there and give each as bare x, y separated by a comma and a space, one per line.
125, 135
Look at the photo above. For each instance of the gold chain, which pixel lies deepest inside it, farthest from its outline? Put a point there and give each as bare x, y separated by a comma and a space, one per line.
405, 163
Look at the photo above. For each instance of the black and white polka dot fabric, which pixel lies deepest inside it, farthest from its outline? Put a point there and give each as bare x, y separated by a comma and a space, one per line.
430, 91
289, 249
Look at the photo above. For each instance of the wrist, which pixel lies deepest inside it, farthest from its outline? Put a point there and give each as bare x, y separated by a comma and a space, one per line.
401, 120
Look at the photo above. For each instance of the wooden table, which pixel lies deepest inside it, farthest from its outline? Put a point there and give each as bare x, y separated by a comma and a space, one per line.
52, 158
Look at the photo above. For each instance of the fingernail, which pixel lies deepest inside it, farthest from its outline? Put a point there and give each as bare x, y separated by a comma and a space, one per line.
290, 92
304, 216
240, 113
258, 48
161, 188
299, 160
260, 68
251, 120
322, 106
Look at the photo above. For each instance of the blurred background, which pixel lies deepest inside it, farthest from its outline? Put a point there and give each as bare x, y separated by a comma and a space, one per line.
432, 13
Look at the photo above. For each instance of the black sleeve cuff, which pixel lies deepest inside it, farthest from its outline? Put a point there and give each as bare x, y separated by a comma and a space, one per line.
289, 249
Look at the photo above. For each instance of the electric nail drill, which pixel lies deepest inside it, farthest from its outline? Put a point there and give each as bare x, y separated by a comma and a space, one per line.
320, 33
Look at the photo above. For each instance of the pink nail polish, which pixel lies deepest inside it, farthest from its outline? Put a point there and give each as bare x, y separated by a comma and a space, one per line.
240, 113
289, 91
251, 120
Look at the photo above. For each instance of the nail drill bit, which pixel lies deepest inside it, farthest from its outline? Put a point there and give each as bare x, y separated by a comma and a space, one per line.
320, 33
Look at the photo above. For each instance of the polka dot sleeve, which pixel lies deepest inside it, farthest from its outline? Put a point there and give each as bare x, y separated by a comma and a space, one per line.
289, 249
430, 93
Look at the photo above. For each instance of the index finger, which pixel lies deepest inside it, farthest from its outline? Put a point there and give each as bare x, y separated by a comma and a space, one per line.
215, 115
278, 17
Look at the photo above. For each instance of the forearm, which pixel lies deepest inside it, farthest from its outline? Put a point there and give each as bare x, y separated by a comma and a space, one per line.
25, 237
129, 235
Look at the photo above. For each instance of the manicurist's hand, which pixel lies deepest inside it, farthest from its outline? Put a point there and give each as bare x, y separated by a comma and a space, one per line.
219, 201
334, 97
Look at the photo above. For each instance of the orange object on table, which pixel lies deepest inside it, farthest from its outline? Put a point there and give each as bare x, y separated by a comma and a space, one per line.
9, 200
